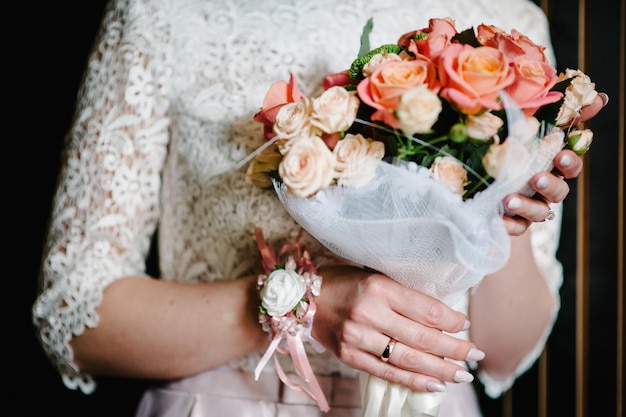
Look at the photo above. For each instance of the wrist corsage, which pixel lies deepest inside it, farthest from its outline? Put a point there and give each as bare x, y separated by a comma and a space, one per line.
286, 312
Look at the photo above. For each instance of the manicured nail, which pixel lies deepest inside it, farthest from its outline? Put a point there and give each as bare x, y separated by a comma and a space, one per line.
463, 376
566, 160
466, 325
605, 98
433, 386
475, 355
543, 182
514, 204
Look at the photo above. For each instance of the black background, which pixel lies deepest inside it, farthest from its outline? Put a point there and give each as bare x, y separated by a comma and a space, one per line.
50, 57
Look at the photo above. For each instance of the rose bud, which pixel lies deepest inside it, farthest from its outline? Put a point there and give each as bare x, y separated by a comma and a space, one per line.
580, 140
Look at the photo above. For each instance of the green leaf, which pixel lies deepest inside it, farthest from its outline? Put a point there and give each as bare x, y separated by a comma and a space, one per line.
365, 37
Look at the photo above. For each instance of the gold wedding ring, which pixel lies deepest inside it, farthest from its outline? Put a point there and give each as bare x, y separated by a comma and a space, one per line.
388, 349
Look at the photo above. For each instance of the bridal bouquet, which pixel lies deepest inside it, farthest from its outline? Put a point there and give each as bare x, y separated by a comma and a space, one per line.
402, 162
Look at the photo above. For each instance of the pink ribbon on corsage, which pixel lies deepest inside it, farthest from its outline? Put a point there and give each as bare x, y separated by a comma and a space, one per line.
293, 326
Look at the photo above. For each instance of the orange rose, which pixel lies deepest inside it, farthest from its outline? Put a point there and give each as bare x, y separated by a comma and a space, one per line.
382, 90
472, 78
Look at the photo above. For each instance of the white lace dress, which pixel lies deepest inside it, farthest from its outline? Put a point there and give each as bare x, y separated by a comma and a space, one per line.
162, 121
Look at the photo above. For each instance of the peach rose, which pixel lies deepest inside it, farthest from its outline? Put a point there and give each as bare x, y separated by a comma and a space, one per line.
418, 110
382, 90
512, 44
472, 78
533, 81
307, 167
450, 170
357, 158
334, 110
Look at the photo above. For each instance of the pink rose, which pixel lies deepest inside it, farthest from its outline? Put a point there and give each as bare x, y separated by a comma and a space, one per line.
472, 78
512, 45
279, 94
382, 90
533, 81
431, 40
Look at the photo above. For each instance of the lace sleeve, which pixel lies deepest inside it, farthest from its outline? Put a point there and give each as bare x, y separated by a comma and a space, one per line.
545, 241
106, 205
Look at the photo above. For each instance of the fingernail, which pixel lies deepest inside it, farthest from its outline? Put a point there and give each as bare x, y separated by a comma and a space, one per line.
475, 355
566, 160
543, 182
466, 325
514, 204
433, 386
463, 376
605, 98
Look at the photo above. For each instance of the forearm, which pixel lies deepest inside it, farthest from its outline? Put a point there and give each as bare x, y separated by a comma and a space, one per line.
510, 310
156, 329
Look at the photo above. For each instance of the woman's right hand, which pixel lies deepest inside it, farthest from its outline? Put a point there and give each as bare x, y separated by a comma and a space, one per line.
359, 311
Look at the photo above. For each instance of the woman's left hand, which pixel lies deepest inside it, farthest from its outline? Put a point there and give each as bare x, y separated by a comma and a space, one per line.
550, 187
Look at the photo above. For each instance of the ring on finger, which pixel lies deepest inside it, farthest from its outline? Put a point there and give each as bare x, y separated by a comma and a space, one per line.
551, 215
388, 349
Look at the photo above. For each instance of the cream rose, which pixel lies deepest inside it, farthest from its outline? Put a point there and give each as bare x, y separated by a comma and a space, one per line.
282, 292
307, 167
357, 158
418, 110
581, 92
450, 170
334, 110
378, 59
293, 121
484, 126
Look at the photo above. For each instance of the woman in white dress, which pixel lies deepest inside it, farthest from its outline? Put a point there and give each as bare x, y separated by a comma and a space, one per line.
163, 118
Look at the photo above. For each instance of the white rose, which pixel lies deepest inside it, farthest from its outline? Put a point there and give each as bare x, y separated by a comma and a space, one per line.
334, 110
307, 167
580, 140
282, 291
292, 122
378, 59
484, 126
357, 158
450, 170
418, 110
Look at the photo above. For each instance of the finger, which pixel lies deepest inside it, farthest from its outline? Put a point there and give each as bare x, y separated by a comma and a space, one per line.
549, 187
568, 164
420, 308
530, 209
408, 366
516, 226
591, 110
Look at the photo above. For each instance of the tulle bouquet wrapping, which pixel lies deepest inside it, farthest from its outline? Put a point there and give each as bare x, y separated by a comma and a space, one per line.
402, 162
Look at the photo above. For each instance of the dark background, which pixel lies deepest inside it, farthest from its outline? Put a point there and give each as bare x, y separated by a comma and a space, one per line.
53, 63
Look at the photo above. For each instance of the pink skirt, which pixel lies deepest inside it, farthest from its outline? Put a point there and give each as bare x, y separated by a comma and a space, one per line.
225, 392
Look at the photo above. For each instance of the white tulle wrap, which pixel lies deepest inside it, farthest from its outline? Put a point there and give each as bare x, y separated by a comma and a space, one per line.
411, 227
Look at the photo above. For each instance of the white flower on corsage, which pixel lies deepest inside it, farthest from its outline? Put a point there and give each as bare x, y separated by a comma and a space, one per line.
287, 310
